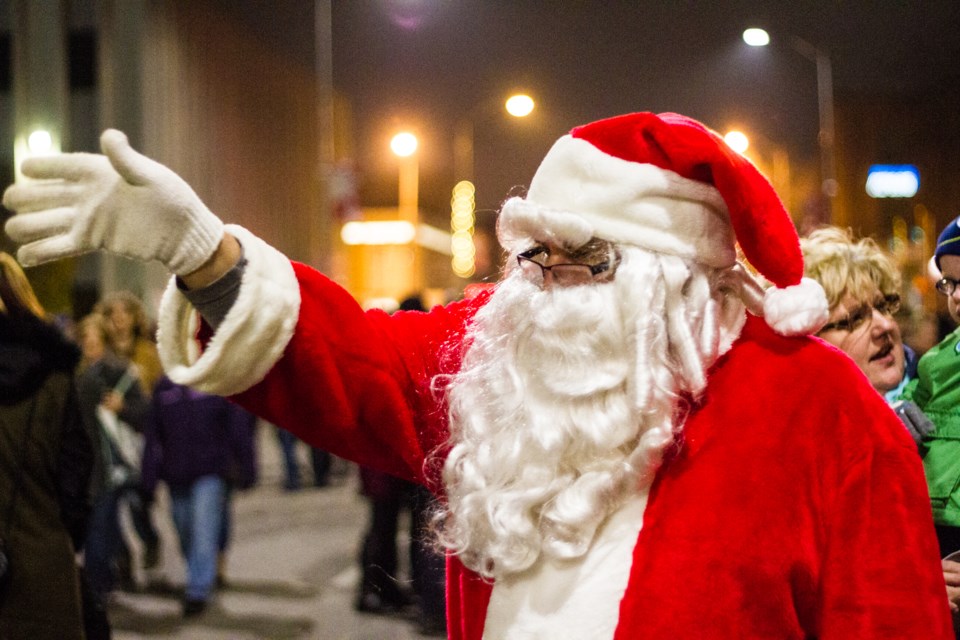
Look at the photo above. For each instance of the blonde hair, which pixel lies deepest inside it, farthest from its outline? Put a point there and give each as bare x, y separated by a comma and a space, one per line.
16, 294
93, 321
132, 304
844, 266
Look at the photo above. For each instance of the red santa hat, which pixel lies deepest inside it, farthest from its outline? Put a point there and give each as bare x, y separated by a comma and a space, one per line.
667, 183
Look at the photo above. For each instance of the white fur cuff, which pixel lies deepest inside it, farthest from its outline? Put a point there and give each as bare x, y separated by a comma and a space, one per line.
253, 334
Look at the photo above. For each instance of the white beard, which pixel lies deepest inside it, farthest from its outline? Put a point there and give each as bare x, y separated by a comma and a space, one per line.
566, 401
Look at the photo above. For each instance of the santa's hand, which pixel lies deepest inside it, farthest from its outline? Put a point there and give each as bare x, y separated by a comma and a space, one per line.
120, 201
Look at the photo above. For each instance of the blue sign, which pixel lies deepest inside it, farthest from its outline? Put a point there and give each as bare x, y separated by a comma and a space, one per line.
892, 181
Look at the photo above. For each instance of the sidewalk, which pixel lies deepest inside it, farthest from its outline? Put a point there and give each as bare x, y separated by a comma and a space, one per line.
291, 573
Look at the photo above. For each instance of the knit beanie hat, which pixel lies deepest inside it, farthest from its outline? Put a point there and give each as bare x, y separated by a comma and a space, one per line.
948, 244
668, 184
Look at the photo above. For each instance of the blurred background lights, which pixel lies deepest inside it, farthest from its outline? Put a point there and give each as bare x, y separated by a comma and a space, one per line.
462, 218
756, 37
738, 141
411, 15
404, 144
40, 142
519, 106
378, 232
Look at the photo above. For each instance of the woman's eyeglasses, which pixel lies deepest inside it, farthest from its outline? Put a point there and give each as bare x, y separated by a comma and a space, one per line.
887, 305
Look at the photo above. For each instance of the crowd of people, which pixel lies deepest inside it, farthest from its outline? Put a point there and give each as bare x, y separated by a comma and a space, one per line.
631, 435
125, 428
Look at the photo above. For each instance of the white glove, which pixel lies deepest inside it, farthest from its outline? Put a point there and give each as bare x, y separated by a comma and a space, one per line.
121, 201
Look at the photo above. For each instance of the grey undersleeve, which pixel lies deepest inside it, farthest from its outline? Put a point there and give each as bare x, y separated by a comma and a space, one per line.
215, 300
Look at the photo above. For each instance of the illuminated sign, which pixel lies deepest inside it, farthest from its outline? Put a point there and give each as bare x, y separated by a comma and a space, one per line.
892, 181
378, 232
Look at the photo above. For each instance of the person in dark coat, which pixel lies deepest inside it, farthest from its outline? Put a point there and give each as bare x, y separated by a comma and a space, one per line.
201, 446
45, 464
107, 383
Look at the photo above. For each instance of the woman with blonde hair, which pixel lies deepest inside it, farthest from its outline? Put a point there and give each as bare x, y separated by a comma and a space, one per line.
863, 294
130, 336
45, 462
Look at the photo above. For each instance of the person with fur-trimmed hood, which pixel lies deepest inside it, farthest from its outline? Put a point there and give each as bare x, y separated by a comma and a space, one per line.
630, 437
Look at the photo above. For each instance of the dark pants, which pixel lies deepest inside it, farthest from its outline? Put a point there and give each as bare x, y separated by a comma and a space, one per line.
378, 555
427, 561
320, 461
103, 543
142, 521
105, 551
321, 467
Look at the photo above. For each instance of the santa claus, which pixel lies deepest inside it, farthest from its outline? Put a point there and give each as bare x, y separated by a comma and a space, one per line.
630, 437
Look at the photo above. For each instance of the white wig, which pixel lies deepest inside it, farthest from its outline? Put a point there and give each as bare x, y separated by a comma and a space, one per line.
567, 400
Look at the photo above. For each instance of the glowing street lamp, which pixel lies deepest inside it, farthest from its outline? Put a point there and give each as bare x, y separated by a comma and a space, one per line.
778, 166
756, 37
463, 201
738, 141
518, 106
404, 146
40, 142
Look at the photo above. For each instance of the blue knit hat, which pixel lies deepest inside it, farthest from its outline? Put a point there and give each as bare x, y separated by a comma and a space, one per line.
948, 244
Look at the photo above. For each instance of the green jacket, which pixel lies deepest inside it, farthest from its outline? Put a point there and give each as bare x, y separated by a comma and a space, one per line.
936, 391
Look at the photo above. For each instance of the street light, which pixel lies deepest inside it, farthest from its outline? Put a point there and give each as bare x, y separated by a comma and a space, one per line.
463, 201
776, 163
404, 146
518, 106
759, 38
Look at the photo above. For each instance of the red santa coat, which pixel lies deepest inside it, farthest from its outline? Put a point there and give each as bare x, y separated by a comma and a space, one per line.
793, 507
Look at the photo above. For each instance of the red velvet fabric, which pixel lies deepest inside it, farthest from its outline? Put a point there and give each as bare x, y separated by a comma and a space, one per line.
793, 507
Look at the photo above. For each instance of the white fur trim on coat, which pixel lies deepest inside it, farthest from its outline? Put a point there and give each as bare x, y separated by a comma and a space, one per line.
252, 336
621, 201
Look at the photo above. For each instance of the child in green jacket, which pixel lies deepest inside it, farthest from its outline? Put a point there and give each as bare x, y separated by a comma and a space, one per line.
936, 391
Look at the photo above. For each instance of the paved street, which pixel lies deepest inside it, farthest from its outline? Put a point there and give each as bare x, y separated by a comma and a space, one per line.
291, 573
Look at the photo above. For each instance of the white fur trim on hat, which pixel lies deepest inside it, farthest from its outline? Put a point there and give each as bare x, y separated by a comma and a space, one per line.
796, 310
624, 202
252, 336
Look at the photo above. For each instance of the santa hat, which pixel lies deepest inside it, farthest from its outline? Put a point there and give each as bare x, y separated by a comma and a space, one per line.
667, 183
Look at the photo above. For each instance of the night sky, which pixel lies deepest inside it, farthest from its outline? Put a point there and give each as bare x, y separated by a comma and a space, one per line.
425, 64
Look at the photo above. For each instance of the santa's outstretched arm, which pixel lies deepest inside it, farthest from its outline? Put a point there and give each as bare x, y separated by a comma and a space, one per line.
287, 342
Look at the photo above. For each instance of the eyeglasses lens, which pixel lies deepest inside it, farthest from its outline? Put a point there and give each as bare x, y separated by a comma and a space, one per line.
887, 305
947, 286
564, 274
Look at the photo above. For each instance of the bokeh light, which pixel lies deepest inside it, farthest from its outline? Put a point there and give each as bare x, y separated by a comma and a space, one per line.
404, 144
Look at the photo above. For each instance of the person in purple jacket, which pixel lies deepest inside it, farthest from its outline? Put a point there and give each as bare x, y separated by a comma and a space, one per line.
201, 446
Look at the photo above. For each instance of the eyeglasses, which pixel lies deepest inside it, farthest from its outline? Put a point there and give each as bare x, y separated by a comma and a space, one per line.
947, 286
563, 274
887, 305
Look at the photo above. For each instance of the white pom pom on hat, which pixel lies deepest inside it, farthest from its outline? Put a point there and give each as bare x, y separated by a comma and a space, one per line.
666, 183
